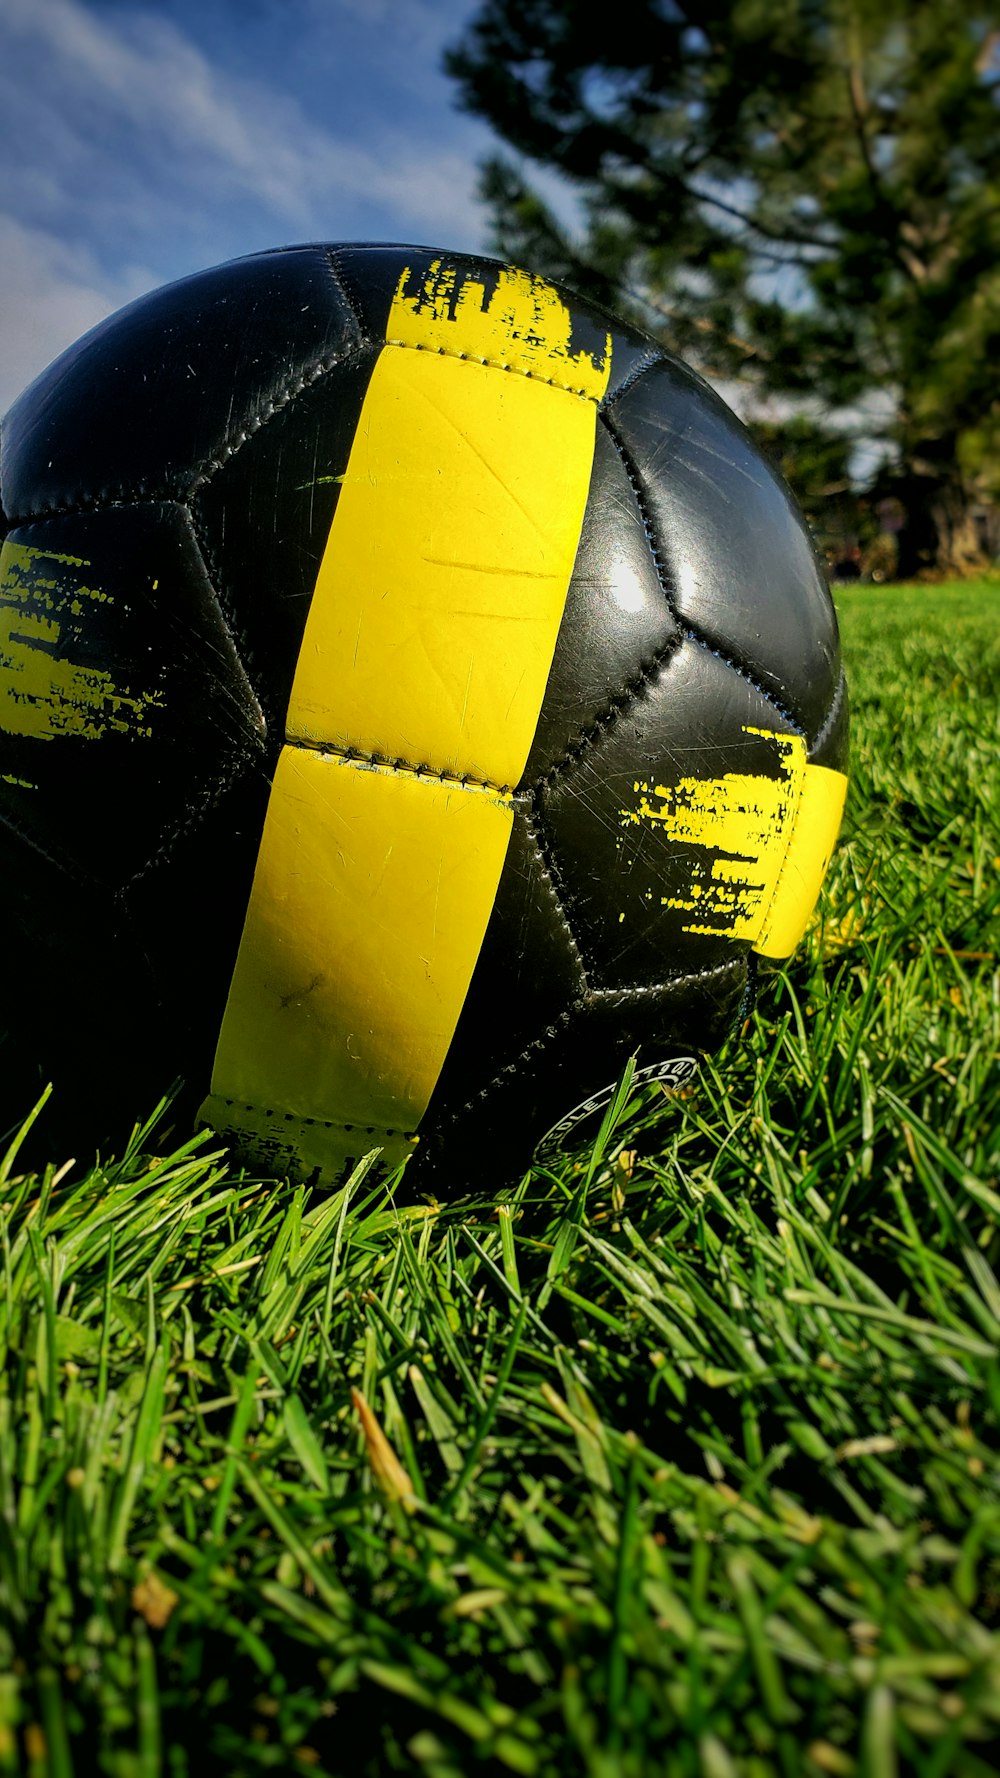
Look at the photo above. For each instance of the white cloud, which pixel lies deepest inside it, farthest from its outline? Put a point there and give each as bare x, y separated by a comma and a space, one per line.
50, 293
131, 157
226, 135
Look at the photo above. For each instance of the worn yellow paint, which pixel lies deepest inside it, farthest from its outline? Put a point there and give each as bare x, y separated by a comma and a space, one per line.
767, 842
426, 652
810, 847
370, 900
523, 325
44, 692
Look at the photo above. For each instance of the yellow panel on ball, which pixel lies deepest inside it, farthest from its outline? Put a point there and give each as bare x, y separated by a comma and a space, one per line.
370, 900
434, 620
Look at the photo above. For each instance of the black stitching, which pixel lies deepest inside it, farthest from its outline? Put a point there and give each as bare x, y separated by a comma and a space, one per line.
567, 906
234, 629
516, 1066
516, 370
669, 983
187, 483
105, 500
652, 356
211, 795
358, 756
616, 707
832, 714
305, 379
749, 999
546, 864
690, 633
341, 278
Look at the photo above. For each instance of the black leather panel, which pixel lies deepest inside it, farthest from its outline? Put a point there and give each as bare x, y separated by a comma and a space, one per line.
263, 519
148, 397
735, 551
618, 870
117, 997
617, 625
582, 1054
152, 712
185, 920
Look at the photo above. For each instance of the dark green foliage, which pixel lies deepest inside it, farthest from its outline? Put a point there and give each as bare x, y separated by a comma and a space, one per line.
807, 196
702, 1433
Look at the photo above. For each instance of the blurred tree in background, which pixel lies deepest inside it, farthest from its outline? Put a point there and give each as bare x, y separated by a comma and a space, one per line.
803, 195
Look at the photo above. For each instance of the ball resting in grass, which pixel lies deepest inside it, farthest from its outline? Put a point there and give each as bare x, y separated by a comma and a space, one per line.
417, 695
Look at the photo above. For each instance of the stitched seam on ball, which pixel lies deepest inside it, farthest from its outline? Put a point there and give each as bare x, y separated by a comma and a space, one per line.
318, 1123
832, 714
749, 997
517, 370
519, 1062
106, 500
234, 630
402, 767
662, 357
691, 633
514, 1067
615, 708
211, 795
188, 484
651, 357
66, 868
669, 983
544, 845
557, 900
342, 279
305, 379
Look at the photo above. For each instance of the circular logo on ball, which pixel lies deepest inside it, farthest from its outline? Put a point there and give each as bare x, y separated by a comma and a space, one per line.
671, 1074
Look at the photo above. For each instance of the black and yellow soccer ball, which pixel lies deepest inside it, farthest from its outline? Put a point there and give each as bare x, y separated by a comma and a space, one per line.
417, 695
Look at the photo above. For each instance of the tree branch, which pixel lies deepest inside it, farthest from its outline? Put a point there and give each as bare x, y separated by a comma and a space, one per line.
761, 228
703, 324
859, 112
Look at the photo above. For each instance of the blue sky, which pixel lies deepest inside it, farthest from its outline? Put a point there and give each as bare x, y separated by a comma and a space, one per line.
143, 141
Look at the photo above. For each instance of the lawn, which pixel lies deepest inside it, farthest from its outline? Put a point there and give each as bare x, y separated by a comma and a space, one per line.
683, 1460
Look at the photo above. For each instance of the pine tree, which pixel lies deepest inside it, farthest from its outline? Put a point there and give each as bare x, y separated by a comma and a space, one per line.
801, 194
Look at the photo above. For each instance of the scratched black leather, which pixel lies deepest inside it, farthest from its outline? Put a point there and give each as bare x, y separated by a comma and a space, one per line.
189, 450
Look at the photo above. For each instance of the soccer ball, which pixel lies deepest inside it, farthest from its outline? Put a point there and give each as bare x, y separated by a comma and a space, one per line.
417, 695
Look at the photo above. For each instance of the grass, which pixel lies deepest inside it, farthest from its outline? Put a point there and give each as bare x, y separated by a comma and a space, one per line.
683, 1460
